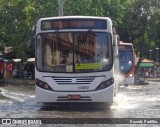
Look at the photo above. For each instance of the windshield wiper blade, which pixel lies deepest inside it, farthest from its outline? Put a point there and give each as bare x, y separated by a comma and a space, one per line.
58, 36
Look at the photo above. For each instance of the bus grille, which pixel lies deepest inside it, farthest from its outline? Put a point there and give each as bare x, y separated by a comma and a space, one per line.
73, 80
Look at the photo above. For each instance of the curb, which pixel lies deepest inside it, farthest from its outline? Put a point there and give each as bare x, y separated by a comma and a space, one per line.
19, 81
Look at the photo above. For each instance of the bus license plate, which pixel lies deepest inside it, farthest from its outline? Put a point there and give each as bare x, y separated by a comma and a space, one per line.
74, 97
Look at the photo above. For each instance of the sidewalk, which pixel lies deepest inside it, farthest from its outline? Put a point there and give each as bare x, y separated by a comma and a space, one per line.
154, 79
150, 79
145, 81
19, 81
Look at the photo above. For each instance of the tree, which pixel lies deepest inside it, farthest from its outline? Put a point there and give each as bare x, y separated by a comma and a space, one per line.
141, 24
17, 19
137, 21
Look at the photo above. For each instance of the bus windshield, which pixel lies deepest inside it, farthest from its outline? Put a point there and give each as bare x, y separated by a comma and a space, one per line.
125, 59
74, 52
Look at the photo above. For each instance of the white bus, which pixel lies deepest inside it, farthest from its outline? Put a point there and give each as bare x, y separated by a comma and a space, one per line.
74, 59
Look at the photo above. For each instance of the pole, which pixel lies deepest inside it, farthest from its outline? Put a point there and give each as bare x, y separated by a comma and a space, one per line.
150, 52
61, 3
157, 53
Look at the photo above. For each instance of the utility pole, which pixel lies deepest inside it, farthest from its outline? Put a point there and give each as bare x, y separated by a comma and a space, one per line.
157, 53
150, 53
61, 3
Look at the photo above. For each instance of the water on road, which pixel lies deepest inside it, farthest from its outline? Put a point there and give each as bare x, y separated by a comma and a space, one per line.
135, 101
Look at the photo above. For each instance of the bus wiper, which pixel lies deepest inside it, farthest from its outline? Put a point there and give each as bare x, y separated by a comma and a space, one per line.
91, 36
58, 36
82, 38
89, 32
59, 40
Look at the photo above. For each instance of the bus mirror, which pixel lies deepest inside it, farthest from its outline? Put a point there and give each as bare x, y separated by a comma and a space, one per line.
115, 45
117, 56
34, 29
31, 42
116, 39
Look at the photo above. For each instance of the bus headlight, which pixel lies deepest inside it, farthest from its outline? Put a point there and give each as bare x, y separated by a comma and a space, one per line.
131, 75
46, 86
43, 85
105, 84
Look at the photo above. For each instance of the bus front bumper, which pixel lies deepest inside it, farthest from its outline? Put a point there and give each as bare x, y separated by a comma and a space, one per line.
46, 96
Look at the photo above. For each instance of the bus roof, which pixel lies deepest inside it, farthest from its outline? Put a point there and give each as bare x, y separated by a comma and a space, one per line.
73, 17
122, 43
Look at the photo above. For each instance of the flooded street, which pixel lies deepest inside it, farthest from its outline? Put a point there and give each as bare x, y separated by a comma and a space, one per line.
135, 101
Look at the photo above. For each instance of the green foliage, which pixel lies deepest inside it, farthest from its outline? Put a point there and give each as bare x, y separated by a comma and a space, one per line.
140, 19
143, 25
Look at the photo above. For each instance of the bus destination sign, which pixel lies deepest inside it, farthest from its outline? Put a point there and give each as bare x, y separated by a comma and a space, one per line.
74, 24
